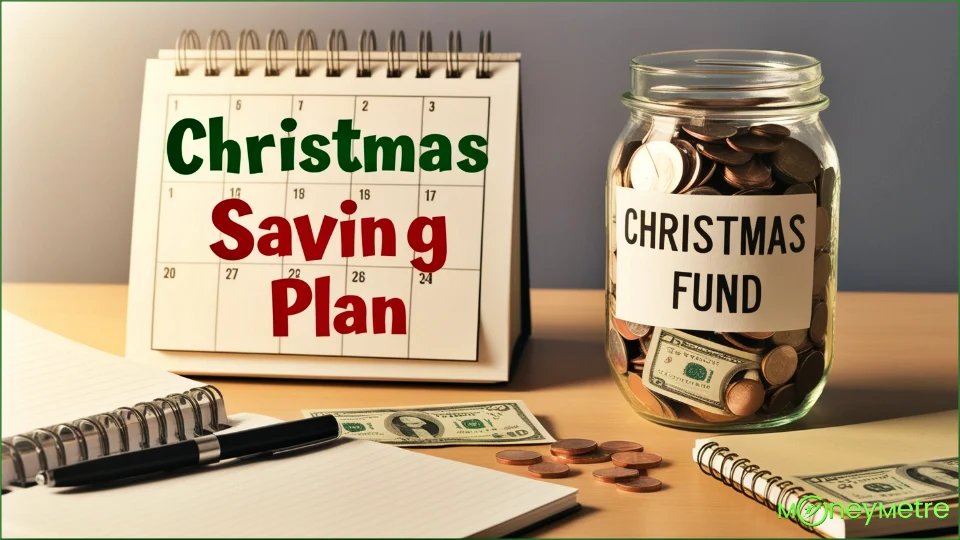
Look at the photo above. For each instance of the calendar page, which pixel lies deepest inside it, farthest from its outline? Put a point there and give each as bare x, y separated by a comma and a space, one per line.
327, 226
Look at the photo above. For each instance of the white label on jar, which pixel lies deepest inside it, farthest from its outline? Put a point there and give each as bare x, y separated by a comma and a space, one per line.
718, 263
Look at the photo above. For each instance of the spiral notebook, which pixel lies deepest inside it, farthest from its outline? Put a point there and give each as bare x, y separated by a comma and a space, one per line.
872, 466
425, 122
64, 402
350, 488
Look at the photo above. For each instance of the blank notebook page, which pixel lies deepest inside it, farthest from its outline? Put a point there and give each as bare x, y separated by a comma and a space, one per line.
351, 488
48, 379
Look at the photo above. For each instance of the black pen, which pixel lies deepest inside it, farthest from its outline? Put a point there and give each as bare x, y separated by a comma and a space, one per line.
200, 451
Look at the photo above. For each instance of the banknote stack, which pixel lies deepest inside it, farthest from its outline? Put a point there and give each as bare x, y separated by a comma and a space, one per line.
730, 377
488, 423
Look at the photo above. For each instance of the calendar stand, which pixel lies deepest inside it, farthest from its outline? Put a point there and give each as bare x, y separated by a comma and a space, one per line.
198, 310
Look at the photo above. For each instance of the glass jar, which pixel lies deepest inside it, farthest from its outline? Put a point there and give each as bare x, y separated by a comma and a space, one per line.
720, 309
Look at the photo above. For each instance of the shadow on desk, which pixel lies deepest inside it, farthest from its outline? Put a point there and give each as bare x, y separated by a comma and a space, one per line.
841, 405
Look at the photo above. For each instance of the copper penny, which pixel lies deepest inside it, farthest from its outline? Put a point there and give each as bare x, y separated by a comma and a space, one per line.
821, 272
617, 351
754, 191
754, 174
823, 228
644, 395
640, 484
818, 322
799, 189
809, 372
779, 399
621, 446
723, 154
645, 342
596, 456
572, 447
796, 163
703, 190
757, 335
611, 474
770, 130
744, 397
793, 338
548, 469
744, 343
710, 132
779, 365
710, 416
754, 144
518, 457
636, 460
706, 172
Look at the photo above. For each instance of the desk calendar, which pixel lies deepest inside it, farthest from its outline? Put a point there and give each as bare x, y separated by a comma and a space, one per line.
352, 215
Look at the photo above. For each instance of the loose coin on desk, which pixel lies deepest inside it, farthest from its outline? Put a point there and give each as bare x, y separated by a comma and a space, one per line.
595, 456
621, 446
614, 474
518, 457
636, 460
639, 484
573, 447
548, 469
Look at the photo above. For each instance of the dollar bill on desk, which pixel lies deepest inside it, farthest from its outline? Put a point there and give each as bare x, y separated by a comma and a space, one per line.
693, 370
464, 424
891, 484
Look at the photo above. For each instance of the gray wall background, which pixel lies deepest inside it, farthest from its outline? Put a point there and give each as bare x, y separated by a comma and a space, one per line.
72, 80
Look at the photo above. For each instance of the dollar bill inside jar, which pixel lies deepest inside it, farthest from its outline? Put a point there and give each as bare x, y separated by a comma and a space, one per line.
687, 333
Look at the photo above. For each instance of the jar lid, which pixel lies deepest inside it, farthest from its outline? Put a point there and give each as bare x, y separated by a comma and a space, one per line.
726, 79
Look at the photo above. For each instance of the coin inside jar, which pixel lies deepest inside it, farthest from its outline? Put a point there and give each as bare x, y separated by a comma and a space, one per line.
617, 351
691, 160
640, 484
703, 190
548, 469
818, 322
637, 329
809, 372
710, 416
623, 329
712, 132
611, 474
770, 130
753, 174
793, 338
744, 397
796, 163
643, 395
656, 166
744, 343
823, 228
779, 399
572, 447
636, 460
779, 365
723, 154
754, 144
821, 272
518, 457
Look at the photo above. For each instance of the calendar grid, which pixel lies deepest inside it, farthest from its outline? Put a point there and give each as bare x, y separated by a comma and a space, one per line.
239, 327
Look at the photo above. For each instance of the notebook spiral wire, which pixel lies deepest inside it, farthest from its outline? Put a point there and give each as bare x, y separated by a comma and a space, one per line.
193, 400
706, 466
336, 46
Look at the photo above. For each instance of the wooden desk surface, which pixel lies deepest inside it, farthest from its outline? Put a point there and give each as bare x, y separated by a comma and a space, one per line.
896, 355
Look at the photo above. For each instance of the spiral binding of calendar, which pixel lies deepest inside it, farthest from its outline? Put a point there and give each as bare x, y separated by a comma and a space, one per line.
306, 42
100, 423
785, 490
